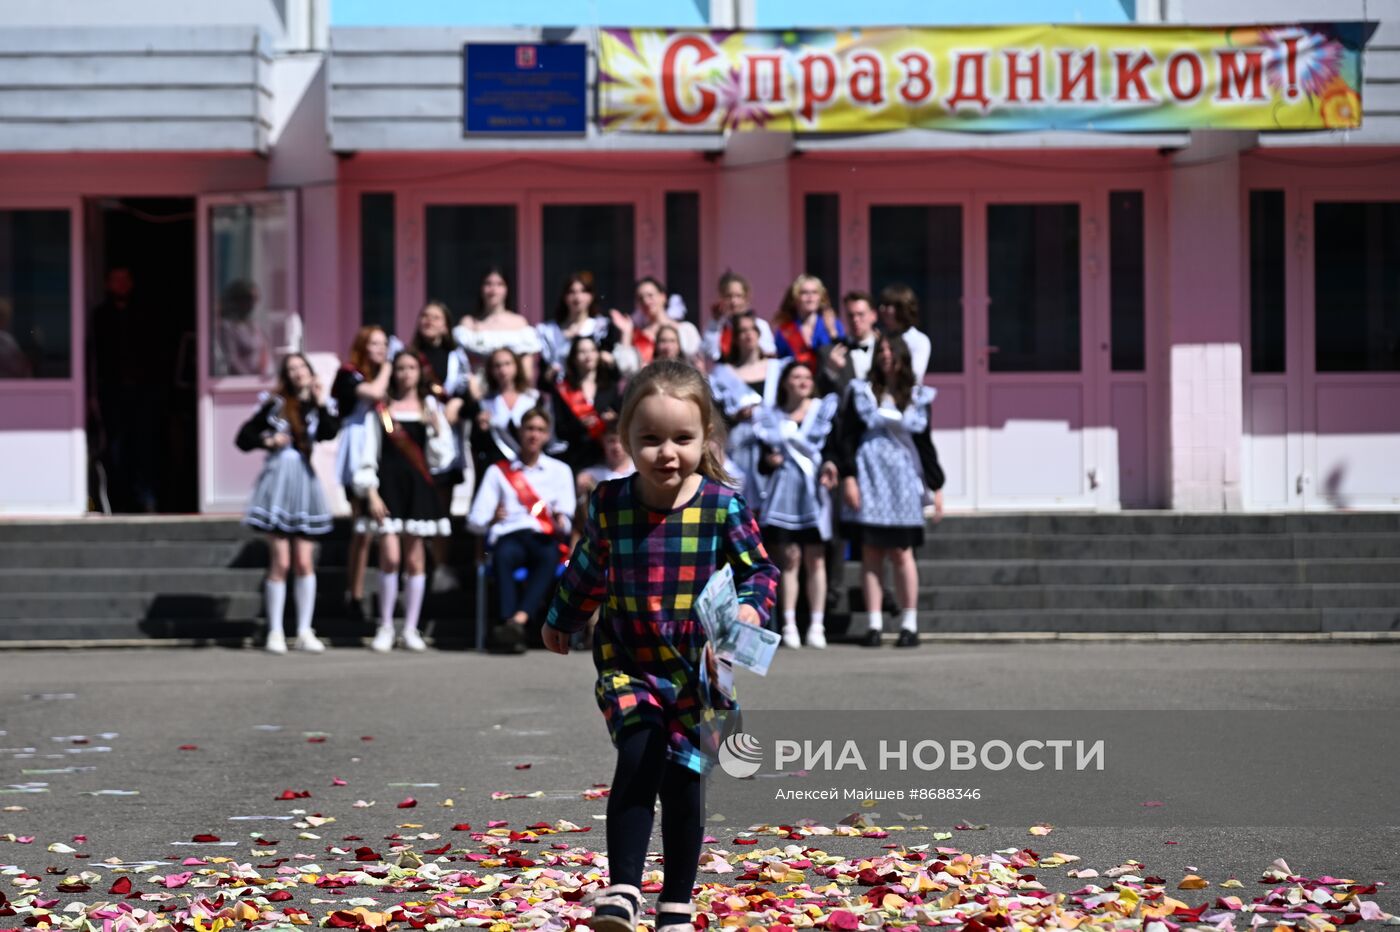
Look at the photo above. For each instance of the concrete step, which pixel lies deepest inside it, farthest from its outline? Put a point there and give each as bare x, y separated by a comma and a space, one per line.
243, 604
455, 628
160, 555
1167, 523
937, 573
940, 545
1151, 598
90, 581
1235, 621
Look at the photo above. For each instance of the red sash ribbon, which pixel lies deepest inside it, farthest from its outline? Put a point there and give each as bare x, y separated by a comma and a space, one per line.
645, 345
801, 351
400, 439
582, 409
530, 499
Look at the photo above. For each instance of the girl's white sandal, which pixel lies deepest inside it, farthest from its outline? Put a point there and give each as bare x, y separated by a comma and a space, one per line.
686, 908
621, 897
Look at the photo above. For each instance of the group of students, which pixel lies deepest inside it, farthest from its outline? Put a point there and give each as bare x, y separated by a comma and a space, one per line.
826, 421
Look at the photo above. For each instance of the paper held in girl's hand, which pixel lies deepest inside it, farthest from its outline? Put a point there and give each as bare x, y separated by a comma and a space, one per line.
717, 607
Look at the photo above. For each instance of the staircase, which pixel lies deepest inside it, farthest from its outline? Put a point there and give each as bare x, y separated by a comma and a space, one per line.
199, 579
1156, 572
194, 579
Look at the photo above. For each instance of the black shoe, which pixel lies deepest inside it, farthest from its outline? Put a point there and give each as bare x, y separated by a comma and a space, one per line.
873, 638
508, 638
355, 610
907, 639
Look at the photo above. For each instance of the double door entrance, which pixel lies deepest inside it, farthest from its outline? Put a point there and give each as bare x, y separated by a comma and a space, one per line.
1035, 303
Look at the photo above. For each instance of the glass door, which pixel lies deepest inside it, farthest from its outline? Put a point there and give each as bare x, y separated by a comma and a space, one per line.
249, 318
609, 233
922, 245
1350, 312
45, 413
1033, 386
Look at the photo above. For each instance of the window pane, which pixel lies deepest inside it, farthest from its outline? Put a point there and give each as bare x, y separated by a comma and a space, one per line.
683, 250
464, 240
377, 260
922, 246
1127, 287
1358, 287
36, 334
1033, 284
823, 239
1268, 340
598, 238
255, 320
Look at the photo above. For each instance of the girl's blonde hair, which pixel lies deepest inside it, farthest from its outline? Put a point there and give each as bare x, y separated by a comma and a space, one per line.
683, 382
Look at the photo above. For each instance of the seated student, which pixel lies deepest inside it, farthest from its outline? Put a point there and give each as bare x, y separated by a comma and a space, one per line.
524, 507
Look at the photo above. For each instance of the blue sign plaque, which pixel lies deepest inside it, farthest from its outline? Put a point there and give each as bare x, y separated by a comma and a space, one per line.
525, 88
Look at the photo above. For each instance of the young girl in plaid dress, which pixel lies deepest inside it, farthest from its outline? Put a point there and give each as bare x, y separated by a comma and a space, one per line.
650, 543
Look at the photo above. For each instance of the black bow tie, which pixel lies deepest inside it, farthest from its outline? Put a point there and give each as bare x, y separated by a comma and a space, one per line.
861, 348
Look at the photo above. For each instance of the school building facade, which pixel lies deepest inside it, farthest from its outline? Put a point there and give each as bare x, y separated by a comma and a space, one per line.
1203, 320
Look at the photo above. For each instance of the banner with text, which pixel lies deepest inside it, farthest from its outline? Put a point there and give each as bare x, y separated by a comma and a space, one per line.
983, 79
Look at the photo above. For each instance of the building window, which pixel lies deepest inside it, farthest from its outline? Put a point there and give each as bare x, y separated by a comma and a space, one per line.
599, 238
822, 225
1033, 284
36, 313
921, 245
683, 251
1357, 282
377, 261
464, 242
255, 320
1127, 282
1268, 338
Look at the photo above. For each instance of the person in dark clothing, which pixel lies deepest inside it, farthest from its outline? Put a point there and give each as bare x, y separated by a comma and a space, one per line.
126, 394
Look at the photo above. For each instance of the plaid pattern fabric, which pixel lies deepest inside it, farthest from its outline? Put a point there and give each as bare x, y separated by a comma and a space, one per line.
645, 568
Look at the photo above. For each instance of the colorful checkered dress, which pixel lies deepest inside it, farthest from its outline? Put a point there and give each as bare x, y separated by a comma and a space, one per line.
646, 567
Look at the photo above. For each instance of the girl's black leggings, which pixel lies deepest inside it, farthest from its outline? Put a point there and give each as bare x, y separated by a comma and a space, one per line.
644, 774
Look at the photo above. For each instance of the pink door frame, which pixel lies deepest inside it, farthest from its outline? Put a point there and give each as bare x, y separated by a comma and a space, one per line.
528, 183
976, 180
42, 407
1307, 177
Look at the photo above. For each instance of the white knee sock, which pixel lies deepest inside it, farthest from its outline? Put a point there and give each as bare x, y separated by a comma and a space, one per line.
413, 587
388, 596
275, 599
789, 620
877, 621
818, 621
909, 619
306, 602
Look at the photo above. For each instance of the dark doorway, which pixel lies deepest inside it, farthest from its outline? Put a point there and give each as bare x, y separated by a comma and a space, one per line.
141, 355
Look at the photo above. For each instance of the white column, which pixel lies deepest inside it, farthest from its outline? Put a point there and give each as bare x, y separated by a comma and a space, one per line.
754, 199
1207, 314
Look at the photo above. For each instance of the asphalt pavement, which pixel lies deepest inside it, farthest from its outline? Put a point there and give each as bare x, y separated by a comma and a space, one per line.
138, 753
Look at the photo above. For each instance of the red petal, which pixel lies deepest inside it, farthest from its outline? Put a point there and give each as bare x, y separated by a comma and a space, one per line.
189, 747
522, 766
205, 839
408, 803
436, 851
366, 738
279, 896
121, 887
746, 841
315, 740
462, 827
295, 794
366, 853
